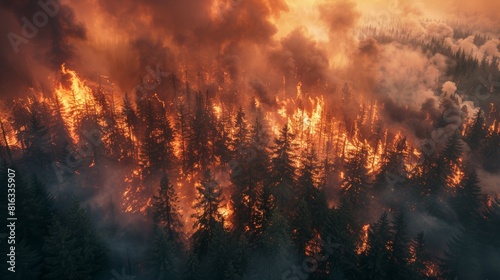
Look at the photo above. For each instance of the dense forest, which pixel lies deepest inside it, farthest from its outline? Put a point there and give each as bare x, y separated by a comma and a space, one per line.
190, 177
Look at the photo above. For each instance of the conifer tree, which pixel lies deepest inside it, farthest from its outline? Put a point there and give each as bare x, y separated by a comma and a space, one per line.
283, 171
420, 257
249, 171
64, 257
166, 212
309, 186
192, 269
343, 230
398, 258
460, 258
467, 201
374, 263
356, 181
259, 163
198, 146
208, 218
59, 131
221, 132
303, 230
157, 151
277, 247
183, 130
476, 132
163, 257
388, 186
93, 249
241, 132
452, 150
38, 205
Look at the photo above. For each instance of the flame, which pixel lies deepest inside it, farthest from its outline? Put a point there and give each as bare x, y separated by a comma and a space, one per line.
364, 241
217, 110
73, 98
134, 198
226, 211
458, 174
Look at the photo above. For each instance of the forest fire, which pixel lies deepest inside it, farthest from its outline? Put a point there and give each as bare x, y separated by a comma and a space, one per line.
73, 97
258, 135
364, 241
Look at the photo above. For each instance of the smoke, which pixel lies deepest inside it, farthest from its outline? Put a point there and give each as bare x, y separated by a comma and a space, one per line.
409, 77
339, 16
300, 59
449, 88
262, 92
439, 30
40, 36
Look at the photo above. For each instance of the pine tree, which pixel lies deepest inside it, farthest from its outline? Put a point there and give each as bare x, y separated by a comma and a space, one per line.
157, 150
208, 216
38, 142
420, 257
59, 131
398, 259
356, 180
198, 146
302, 227
388, 186
434, 180
460, 259
342, 229
183, 129
453, 150
166, 210
248, 175
221, 132
476, 132
130, 117
283, 172
219, 255
39, 205
92, 248
122, 143
277, 247
467, 201
163, 257
374, 263
64, 258
310, 186
241, 132
259, 162
192, 270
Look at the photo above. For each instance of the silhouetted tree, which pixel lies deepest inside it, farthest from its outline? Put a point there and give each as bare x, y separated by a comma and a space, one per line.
283, 171
355, 184
166, 212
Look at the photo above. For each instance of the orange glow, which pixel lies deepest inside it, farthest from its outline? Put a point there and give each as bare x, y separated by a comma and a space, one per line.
364, 240
73, 98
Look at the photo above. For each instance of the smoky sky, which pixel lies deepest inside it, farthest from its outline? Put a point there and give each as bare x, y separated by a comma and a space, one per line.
241, 42
50, 45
